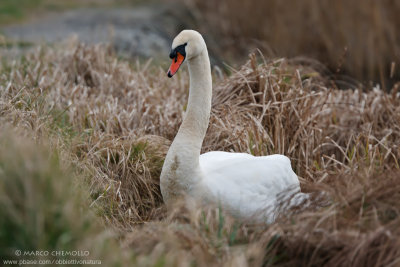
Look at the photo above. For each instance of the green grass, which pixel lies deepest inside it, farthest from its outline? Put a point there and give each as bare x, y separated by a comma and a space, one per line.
19, 44
16, 10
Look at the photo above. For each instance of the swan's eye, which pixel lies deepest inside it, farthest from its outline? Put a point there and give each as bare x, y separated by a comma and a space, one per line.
179, 49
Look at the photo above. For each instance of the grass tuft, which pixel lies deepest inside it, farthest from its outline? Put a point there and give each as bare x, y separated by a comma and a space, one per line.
41, 207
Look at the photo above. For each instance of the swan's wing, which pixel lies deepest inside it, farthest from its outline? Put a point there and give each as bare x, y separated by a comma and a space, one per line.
212, 160
244, 168
246, 184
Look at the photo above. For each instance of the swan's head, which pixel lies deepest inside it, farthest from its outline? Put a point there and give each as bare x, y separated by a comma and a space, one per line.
187, 44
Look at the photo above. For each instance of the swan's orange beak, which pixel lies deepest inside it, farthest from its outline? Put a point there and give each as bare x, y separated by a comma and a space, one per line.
176, 63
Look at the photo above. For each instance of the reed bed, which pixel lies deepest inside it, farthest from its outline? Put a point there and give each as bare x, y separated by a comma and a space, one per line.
113, 120
356, 38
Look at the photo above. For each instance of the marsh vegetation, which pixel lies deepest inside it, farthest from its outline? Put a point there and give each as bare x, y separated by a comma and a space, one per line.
84, 133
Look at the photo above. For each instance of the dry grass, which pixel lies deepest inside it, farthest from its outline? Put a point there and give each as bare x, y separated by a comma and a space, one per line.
113, 120
41, 207
358, 38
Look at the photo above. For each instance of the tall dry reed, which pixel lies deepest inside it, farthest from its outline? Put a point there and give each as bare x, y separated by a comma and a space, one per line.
356, 38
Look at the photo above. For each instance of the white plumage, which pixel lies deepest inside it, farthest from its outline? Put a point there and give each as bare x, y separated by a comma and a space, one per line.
248, 187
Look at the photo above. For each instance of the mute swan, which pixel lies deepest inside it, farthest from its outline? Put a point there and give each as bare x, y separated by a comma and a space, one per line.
246, 186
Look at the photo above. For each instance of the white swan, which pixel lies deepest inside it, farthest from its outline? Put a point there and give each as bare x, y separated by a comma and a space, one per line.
244, 185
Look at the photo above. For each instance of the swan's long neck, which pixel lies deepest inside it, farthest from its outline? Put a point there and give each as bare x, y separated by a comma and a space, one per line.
181, 170
195, 124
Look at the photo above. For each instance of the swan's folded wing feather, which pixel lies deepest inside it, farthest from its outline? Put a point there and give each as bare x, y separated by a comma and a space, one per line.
244, 183
246, 169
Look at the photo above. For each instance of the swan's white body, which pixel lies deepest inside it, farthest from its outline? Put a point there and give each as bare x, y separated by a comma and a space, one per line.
246, 186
